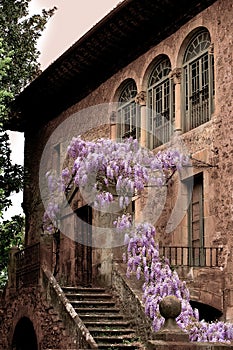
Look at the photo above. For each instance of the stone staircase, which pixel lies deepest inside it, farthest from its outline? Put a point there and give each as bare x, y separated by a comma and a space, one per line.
99, 312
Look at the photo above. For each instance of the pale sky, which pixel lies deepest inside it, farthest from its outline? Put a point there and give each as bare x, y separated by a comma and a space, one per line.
72, 19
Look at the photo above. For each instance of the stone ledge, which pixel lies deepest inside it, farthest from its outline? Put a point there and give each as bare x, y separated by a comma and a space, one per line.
169, 345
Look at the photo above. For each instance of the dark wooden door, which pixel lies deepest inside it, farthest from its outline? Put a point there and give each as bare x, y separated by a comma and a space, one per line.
83, 248
196, 223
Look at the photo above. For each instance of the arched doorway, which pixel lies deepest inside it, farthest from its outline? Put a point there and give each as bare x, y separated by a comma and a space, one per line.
206, 312
24, 336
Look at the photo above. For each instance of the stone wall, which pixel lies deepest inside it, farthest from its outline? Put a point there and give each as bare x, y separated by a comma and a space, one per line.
51, 333
206, 285
54, 320
129, 296
221, 179
170, 336
211, 142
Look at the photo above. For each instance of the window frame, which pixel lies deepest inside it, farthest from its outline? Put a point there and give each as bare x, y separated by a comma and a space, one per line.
160, 97
198, 89
128, 114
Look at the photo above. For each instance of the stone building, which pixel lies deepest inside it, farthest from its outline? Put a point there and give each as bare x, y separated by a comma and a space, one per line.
160, 72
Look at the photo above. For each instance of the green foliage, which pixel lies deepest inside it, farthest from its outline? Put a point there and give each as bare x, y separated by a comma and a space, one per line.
11, 234
20, 34
5, 94
18, 67
11, 175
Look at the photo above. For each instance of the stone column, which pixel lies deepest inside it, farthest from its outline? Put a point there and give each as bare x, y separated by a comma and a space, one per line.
170, 334
176, 76
140, 99
172, 337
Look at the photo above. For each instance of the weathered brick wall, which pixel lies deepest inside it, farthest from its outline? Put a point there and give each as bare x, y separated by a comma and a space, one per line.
129, 293
205, 285
212, 142
51, 333
129, 296
222, 179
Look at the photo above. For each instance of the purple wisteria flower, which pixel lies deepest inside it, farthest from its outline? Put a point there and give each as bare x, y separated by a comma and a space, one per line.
143, 260
125, 166
116, 171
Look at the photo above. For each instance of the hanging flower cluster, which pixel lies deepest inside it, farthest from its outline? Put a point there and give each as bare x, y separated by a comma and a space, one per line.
99, 166
52, 213
110, 171
143, 260
106, 171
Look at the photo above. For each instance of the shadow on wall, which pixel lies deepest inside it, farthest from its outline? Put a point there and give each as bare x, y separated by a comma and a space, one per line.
24, 336
206, 312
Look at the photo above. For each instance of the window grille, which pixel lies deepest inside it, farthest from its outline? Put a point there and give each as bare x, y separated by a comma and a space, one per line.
184, 256
160, 104
128, 112
198, 81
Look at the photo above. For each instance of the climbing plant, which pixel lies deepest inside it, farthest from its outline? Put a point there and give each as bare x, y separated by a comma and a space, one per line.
19, 65
105, 172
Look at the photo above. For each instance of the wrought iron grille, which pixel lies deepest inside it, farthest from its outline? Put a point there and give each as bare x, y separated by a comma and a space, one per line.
160, 104
193, 256
28, 266
162, 132
128, 112
198, 81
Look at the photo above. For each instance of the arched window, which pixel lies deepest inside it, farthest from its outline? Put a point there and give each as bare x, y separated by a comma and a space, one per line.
160, 104
128, 112
198, 76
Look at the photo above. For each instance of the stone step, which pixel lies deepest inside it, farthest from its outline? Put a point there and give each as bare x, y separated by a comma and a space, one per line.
126, 338
108, 324
117, 346
92, 303
88, 296
93, 310
88, 290
106, 332
91, 317
98, 311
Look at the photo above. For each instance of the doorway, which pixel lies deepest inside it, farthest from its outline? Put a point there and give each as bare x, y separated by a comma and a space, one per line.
196, 224
83, 247
24, 337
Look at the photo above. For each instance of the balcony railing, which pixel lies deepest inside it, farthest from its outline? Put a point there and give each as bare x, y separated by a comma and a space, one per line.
28, 266
193, 256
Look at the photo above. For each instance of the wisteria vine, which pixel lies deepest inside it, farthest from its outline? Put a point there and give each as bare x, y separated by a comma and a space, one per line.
104, 164
107, 171
144, 261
